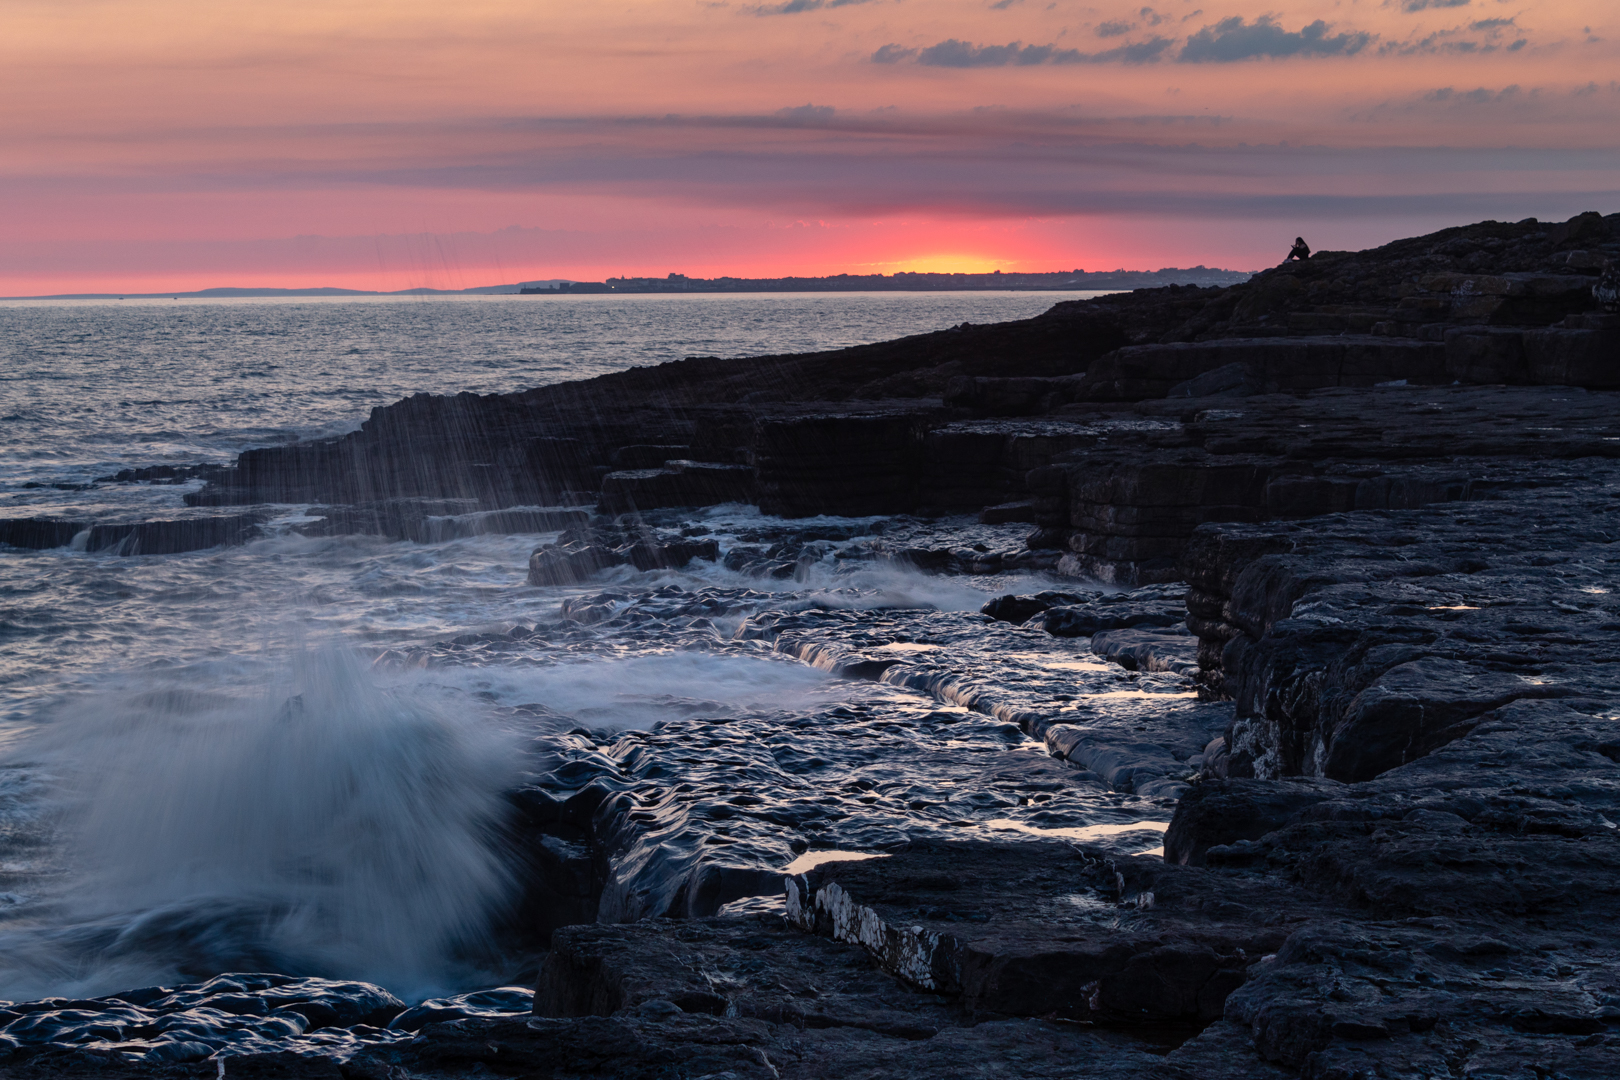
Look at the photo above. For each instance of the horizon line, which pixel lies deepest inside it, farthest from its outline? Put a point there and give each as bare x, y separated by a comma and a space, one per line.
228, 292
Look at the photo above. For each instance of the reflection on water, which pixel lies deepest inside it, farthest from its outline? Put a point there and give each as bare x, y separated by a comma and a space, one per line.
812, 859
1087, 832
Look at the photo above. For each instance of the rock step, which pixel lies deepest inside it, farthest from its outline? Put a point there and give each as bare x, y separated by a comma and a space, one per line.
1287, 364
134, 538
37, 534
750, 967
678, 482
432, 521
1048, 930
1367, 641
573, 561
1123, 511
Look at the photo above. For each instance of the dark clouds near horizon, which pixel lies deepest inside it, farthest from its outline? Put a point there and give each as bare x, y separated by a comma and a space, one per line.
794, 7
1229, 40
952, 53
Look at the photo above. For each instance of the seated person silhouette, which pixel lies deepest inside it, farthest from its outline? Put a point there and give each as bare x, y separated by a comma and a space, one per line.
1301, 250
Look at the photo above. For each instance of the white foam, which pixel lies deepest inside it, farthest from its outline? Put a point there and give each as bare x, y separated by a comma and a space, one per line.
323, 824
638, 691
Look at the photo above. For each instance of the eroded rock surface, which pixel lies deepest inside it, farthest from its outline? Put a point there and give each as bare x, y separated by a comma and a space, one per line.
1377, 729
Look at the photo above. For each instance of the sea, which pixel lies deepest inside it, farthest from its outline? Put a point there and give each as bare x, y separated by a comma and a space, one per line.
203, 767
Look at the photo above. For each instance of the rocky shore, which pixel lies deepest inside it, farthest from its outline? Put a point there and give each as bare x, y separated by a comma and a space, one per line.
1332, 612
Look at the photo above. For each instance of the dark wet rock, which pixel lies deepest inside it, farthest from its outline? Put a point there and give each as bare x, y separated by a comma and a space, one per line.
632, 1048
1366, 641
654, 1045
823, 1006
1486, 354
164, 474
754, 968
1155, 760
647, 456
39, 533
1218, 812
1050, 930
1148, 650
570, 564
1237, 379
433, 521
1582, 351
1126, 511
1288, 364
677, 483
1020, 609
1524, 299
579, 554
1585, 228
174, 537
1149, 607
1010, 397
1083, 620
849, 464
1413, 919
502, 1001
1439, 679
147, 1030
622, 825
1342, 999
1005, 512
1394, 849
845, 431
968, 465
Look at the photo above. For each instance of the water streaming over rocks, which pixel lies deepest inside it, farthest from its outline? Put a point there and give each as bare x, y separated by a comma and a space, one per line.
419, 813
264, 797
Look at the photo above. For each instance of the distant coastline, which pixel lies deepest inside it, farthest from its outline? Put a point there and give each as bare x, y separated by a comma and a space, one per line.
1056, 281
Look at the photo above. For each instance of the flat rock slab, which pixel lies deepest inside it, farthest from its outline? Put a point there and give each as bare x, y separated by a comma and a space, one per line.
1146, 650
745, 997
753, 967
1052, 930
685, 1046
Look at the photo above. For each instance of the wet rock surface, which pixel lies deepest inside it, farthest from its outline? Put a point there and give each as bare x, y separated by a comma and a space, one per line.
845, 431
1357, 643
1319, 597
1050, 929
162, 1026
1423, 701
1124, 511
168, 537
431, 521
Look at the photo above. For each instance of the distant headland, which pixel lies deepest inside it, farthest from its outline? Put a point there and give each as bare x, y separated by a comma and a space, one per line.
905, 281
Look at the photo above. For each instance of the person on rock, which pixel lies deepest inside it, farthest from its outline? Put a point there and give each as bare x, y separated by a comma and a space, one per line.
1301, 250
1607, 289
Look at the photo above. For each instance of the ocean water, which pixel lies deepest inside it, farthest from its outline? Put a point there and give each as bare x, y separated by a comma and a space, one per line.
201, 768
91, 387
88, 387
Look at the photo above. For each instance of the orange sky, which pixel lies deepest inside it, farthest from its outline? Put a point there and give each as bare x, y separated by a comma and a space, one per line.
177, 144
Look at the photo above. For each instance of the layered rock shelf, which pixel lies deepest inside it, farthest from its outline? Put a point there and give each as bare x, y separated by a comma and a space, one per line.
1289, 745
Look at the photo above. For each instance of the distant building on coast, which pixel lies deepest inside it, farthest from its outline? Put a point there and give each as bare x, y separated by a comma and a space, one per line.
567, 287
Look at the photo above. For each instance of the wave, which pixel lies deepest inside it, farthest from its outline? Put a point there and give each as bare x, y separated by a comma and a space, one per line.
322, 825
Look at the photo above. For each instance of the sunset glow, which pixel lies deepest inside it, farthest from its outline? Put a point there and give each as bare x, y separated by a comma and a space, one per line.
175, 144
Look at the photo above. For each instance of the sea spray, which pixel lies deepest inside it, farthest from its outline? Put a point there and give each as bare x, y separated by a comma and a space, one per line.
322, 825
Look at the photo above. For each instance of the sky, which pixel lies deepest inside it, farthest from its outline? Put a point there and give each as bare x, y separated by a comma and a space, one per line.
183, 144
